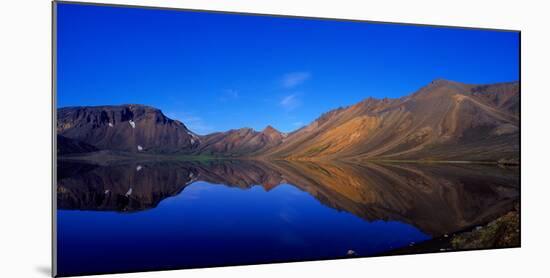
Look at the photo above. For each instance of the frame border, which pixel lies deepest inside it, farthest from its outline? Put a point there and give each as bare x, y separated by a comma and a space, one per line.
281, 15
54, 250
54, 137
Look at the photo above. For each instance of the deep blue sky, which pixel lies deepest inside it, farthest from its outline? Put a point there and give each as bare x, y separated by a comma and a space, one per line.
215, 72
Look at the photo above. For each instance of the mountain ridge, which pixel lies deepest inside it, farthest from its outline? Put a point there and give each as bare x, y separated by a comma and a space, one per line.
444, 120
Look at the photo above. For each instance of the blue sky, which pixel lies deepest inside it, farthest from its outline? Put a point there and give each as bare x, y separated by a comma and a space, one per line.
216, 72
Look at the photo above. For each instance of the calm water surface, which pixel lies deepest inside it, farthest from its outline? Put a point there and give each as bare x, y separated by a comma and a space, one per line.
162, 215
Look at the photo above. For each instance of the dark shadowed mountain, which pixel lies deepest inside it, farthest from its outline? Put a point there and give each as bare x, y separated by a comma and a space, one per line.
72, 146
130, 187
130, 128
444, 120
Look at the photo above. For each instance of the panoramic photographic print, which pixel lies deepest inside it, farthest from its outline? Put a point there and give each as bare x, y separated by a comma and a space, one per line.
189, 139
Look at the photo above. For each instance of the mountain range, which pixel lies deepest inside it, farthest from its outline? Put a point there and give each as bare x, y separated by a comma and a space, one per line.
442, 121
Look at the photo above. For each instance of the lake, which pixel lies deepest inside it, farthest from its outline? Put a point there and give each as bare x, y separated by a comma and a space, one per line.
137, 216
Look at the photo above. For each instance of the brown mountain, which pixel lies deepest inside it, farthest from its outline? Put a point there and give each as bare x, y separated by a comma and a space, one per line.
444, 120
241, 142
130, 128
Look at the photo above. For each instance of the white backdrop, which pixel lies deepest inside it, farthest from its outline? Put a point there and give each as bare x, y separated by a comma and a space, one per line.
25, 136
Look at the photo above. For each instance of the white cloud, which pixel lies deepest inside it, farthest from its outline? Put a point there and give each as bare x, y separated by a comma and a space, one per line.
290, 102
194, 123
293, 79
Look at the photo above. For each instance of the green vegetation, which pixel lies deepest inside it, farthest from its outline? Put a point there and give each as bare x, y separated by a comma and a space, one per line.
107, 157
502, 232
198, 158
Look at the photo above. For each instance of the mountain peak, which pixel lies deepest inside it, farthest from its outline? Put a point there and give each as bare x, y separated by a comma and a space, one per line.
270, 129
441, 81
441, 87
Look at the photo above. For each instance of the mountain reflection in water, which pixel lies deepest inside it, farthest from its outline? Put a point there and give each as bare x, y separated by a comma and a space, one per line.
115, 210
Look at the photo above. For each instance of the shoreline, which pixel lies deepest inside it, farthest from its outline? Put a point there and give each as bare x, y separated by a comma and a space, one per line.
501, 232
105, 156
